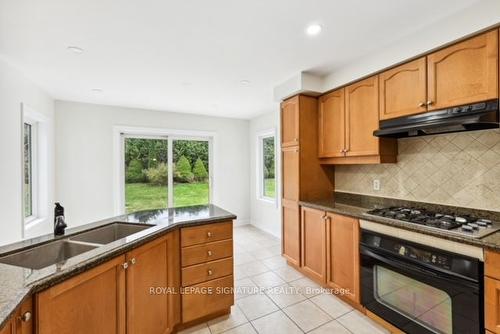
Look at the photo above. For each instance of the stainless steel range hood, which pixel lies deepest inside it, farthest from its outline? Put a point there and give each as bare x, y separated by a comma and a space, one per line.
478, 116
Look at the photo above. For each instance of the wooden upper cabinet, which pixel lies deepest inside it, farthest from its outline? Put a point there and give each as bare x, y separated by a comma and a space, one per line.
343, 254
332, 125
291, 177
147, 313
92, 302
403, 90
313, 243
291, 231
362, 105
464, 73
290, 122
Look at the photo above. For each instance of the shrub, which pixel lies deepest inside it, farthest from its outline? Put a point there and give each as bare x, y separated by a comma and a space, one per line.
199, 170
183, 171
135, 173
158, 175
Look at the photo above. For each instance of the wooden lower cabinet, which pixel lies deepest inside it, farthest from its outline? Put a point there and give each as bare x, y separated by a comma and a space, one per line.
343, 255
492, 304
21, 321
291, 231
92, 302
313, 243
8, 328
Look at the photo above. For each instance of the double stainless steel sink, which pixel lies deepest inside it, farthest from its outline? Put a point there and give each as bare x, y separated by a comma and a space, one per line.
58, 251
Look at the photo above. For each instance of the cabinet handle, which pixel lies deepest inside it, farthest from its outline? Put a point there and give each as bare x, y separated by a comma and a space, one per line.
209, 234
133, 261
422, 104
209, 253
210, 272
295, 139
25, 317
125, 265
430, 103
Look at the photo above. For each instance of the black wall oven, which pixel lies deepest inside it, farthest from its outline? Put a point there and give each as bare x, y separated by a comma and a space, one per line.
421, 289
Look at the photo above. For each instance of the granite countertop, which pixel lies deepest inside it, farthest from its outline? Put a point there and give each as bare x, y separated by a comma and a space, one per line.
17, 284
345, 205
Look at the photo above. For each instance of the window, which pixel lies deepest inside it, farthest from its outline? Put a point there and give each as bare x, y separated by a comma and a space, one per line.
28, 171
267, 165
165, 171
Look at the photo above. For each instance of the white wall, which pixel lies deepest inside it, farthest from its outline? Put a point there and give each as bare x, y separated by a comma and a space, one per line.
84, 162
483, 14
15, 89
264, 215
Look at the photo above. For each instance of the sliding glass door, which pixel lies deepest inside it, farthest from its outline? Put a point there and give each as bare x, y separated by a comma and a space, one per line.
165, 172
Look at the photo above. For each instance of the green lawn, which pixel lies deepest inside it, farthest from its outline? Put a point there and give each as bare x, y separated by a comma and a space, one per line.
270, 190
143, 196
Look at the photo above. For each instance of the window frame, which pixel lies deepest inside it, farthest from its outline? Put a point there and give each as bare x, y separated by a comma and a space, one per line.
34, 170
260, 187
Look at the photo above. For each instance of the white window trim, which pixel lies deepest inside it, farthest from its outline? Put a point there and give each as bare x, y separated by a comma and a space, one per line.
39, 149
261, 135
120, 132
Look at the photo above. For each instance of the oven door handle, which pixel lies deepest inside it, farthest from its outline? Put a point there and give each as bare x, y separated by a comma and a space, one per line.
409, 268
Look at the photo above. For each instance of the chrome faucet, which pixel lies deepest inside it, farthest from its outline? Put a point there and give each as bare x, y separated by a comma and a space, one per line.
59, 223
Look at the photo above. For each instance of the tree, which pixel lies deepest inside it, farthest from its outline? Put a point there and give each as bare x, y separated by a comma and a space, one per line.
199, 170
158, 175
135, 173
183, 171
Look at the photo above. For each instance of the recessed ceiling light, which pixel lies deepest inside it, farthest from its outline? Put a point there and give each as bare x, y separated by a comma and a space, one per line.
96, 90
245, 82
75, 49
313, 29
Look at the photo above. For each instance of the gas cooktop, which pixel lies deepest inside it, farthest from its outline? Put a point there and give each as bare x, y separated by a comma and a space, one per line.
463, 225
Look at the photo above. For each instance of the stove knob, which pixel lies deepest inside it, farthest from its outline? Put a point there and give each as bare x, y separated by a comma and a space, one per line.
474, 226
467, 228
483, 222
433, 259
460, 220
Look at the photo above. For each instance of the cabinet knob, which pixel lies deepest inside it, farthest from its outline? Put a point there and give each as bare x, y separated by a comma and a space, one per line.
430, 103
209, 253
133, 261
25, 317
125, 265
422, 104
295, 139
209, 234
209, 272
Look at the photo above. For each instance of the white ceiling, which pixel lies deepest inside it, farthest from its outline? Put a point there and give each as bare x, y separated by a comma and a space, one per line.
190, 55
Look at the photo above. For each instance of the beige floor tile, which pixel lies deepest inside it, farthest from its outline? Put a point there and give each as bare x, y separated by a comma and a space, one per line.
267, 252
333, 327
244, 288
267, 280
307, 315
358, 323
331, 305
199, 329
307, 287
288, 274
243, 329
254, 268
284, 295
240, 272
256, 306
275, 262
232, 320
242, 258
276, 323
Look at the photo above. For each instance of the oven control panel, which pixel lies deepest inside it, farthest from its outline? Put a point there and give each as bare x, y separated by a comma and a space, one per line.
424, 256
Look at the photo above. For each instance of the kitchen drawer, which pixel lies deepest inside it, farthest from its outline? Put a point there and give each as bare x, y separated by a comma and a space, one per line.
206, 252
206, 233
206, 298
207, 271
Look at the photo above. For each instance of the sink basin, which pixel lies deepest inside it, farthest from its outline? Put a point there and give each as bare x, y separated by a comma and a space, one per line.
109, 233
46, 255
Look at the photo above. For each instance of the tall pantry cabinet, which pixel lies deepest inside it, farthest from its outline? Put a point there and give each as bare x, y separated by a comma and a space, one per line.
304, 178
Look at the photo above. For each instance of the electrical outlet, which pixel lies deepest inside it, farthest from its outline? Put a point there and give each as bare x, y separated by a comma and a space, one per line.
376, 185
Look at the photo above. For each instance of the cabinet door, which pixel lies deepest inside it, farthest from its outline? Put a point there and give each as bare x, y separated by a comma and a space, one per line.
403, 90
291, 231
464, 73
290, 122
8, 328
291, 181
147, 313
362, 117
343, 254
492, 304
313, 230
92, 302
24, 318
332, 125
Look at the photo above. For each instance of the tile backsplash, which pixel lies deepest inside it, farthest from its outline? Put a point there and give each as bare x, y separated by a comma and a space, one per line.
461, 169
